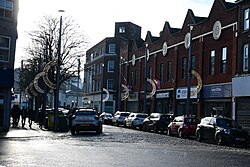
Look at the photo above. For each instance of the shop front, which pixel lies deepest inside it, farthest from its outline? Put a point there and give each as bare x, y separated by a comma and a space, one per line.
241, 101
164, 102
217, 100
181, 100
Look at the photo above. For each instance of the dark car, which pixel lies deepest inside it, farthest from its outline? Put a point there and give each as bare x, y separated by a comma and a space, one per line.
85, 119
157, 122
183, 126
221, 130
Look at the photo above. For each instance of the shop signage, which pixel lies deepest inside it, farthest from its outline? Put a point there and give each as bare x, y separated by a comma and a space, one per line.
217, 91
181, 93
162, 95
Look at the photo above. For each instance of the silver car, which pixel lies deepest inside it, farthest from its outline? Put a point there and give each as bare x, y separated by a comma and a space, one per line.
119, 118
86, 119
135, 120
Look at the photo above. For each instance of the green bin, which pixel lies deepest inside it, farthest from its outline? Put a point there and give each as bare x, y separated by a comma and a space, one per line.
62, 121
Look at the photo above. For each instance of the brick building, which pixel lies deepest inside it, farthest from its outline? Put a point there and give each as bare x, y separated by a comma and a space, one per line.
213, 57
8, 37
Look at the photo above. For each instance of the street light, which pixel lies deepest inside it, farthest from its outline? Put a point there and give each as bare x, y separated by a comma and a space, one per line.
102, 85
58, 74
145, 78
120, 82
189, 70
78, 78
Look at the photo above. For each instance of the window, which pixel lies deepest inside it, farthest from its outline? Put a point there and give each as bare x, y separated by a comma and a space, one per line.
150, 72
135, 78
183, 67
122, 30
212, 62
132, 77
111, 48
245, 58
6, 9
110, 84
246, 19
111, 66
4, 48
162, 72
169, 77
224, 60
192, 64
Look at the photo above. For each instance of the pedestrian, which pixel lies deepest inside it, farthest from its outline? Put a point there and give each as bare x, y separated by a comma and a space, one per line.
15, 114
24, 115
31, 117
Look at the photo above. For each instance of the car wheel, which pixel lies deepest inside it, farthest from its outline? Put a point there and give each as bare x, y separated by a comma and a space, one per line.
144, 127
198, 136
180, 133
218, 139
99, 131
169, 132
73, 132
132, 125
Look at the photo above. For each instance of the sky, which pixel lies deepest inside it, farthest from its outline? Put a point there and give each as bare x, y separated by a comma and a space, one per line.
97, 18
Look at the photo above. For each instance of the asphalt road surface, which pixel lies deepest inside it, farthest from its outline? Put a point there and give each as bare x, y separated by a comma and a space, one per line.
116, 147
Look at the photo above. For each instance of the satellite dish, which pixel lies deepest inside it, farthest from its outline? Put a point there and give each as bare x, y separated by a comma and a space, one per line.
217, 30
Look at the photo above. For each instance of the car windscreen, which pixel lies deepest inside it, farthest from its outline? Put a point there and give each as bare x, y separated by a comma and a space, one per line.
190, 120
141, 116
227, 123
125, 114
85, 113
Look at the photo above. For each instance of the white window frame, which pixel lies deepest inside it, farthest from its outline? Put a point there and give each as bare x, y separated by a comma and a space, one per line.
112, 48
111, 66
245, 58
122, 30
224, 60
110, 84
246, 19
4, 49
212, 62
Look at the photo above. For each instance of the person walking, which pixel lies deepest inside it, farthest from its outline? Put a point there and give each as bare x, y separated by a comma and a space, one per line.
15, 114
31, 117
24, 115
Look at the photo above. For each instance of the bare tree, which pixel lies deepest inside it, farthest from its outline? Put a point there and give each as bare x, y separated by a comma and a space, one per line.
43, 47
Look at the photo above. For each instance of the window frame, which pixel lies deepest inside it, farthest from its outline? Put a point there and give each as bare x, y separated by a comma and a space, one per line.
246, 19
111, 67
212, 62
112, 48
224, 60
245, 65
122, 30
5, 49
110, 84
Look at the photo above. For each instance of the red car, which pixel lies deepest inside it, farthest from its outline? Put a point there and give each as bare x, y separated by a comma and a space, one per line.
183, 126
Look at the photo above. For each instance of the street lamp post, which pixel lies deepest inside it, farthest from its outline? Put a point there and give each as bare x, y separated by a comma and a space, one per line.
120, 82
102, 86
58, 75
189, 71
145, 78
78, 78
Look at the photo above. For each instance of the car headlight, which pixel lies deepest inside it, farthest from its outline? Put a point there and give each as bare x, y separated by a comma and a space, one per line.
227, 131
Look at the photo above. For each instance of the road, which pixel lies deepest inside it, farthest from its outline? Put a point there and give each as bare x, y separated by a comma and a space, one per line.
117, 146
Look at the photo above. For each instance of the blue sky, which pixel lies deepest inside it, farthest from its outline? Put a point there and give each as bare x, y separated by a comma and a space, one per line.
97, 17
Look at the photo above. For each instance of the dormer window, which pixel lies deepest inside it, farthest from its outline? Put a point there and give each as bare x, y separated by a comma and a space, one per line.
122, 30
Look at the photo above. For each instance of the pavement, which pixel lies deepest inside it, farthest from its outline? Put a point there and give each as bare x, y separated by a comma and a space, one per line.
26, 132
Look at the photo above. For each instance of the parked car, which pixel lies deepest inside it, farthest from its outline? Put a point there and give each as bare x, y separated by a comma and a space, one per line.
85, 119
183, 126
119, 118
135, 120
221, 130
157, 122
106, 118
